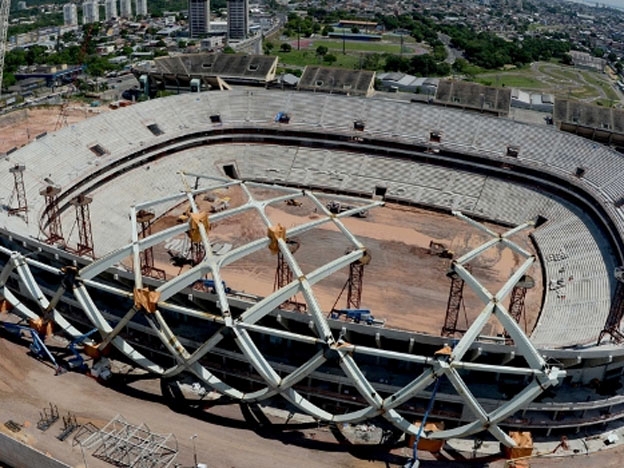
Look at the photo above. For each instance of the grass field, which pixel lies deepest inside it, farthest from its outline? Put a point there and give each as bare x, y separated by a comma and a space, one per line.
507, 79
558, 79
301, 58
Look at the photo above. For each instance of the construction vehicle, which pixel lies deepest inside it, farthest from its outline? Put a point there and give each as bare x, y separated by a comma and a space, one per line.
220, 204
101, 369
439, 249
37, 346
337, 207
356, 316
282, 117
293, 202
210, 286
77, 363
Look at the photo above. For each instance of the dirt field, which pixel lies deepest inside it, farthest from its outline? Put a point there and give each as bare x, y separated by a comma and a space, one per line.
404, 284
22, 126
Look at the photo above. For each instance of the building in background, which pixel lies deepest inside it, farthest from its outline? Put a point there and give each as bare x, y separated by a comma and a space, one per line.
140, 7
110, 9
90, 12
70, 14
199, 17
238, 19
125, 8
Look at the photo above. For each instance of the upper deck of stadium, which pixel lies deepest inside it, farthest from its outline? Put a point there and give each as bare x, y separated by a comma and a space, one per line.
482, 165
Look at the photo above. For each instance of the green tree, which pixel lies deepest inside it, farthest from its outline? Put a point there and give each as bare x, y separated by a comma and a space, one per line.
329, 59
285, 47
321, 51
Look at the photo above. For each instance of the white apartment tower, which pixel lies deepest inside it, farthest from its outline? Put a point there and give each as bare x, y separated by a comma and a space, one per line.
140, 7
90, 12
199, 17
110, 9
238, 19
125, 8
70, 14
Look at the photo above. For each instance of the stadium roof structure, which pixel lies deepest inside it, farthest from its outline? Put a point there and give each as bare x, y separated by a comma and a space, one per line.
328, 347
337, 81
595, 122
487, 99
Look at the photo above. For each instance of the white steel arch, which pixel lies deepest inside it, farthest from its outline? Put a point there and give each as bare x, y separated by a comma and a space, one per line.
541, 375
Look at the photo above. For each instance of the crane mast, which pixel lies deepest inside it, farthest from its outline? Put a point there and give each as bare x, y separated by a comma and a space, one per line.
4, 28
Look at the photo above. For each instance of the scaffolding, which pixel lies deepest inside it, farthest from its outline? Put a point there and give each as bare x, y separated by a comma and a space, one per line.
518, 296
83, 220
55, 228
455, 303
129, 446
355, 281
616, 312
284, 275
19, 191
144, 220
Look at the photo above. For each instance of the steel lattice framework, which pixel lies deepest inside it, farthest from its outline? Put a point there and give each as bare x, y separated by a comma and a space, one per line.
327, 346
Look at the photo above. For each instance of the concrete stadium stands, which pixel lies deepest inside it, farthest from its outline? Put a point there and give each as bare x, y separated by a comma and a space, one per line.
467, 95
337, 81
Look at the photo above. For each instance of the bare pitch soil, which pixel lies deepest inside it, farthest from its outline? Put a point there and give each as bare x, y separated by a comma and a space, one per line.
20, 127
404, 284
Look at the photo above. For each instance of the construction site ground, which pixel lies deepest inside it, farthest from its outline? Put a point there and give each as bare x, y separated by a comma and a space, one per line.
225, 438
405, 284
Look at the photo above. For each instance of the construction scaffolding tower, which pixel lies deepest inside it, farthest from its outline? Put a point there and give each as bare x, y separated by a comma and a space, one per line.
19, 191
197, 252
455, 303
356, 281
616, 312
518, 296
83, 220
283, 273
55, 228
126, 445
144, 220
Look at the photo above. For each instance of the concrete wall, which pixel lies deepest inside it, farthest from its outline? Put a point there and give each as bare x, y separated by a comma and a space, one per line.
18, 455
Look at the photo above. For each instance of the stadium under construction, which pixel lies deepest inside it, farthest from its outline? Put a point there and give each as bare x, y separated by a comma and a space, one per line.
114, 223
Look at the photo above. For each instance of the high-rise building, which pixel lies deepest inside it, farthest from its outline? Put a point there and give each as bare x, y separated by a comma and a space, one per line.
125, 8
110, 9
238, 19
141, 7
199, 17
70, 14
90, 12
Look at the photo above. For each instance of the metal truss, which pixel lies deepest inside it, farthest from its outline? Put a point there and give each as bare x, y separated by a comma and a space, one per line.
129, 446
540, 375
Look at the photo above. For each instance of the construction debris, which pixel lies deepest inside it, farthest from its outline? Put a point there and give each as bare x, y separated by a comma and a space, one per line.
13, 426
